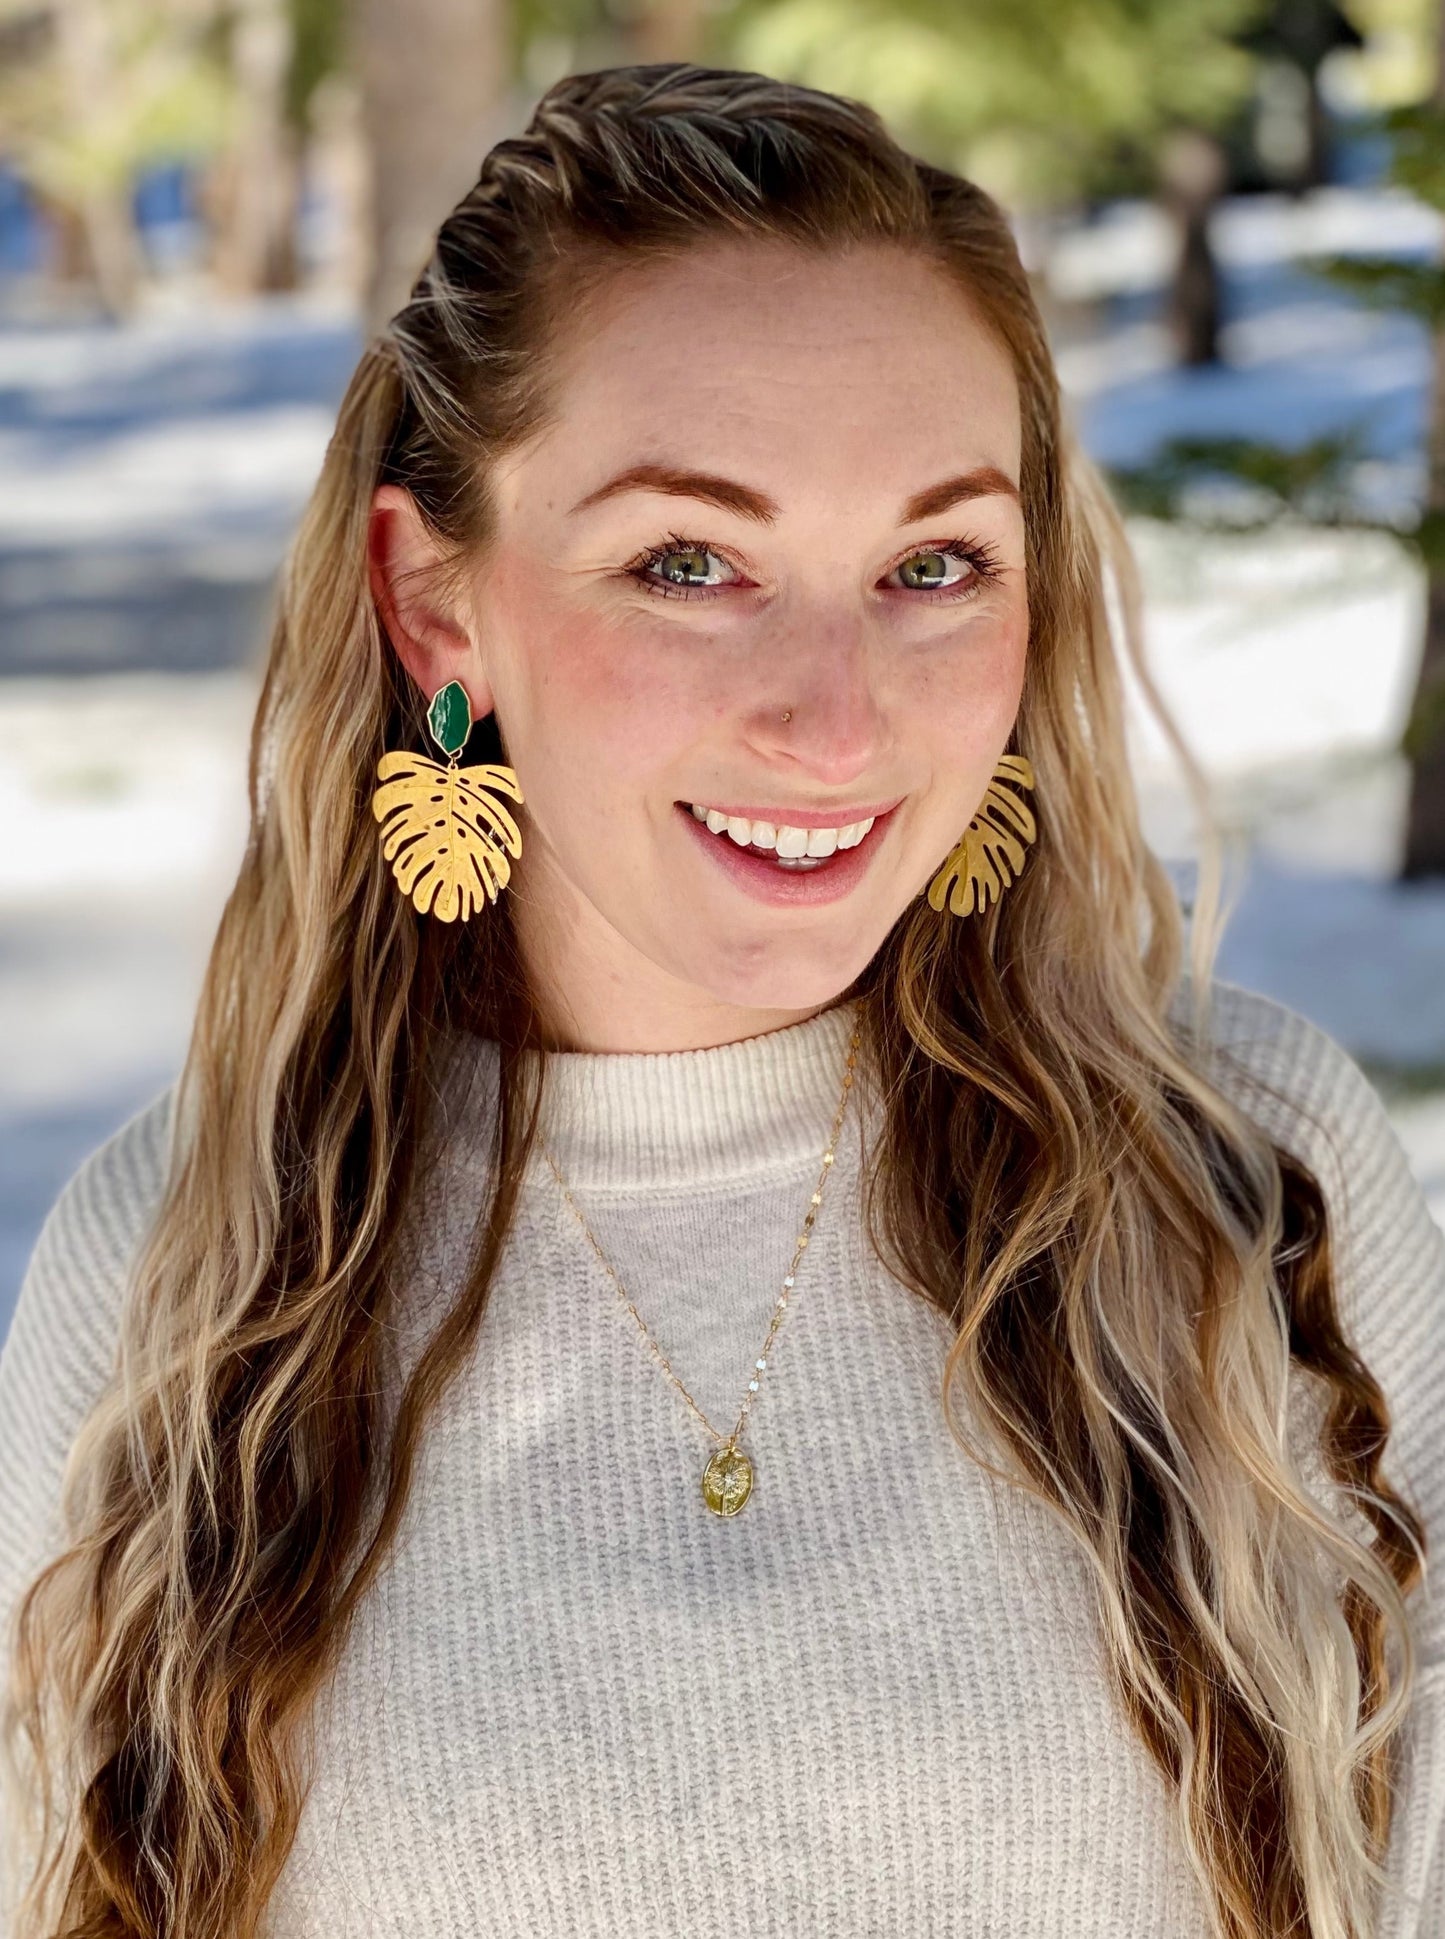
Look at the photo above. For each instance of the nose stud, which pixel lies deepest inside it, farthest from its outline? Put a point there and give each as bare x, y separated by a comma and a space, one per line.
788, 715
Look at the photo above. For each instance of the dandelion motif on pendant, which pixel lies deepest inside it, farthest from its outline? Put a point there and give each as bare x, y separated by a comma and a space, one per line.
727, 1481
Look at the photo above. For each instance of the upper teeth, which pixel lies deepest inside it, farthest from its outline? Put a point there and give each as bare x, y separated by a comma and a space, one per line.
787, 841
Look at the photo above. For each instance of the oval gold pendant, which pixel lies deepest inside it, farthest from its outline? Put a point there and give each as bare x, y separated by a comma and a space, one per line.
727, 1481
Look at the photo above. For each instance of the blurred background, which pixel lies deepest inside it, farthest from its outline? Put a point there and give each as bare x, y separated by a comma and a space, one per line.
1232, 213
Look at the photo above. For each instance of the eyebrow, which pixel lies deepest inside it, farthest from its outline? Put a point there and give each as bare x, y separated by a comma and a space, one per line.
983, 481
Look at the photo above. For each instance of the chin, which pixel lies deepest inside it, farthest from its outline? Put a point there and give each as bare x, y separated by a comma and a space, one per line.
778, 987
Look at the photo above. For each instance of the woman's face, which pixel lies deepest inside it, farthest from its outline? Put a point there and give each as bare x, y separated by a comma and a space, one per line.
774, 483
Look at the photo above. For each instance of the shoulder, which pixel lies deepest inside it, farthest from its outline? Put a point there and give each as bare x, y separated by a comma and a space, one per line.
59, 1353
1307, 1092
1309, 1095
90, 1233
1387, 1252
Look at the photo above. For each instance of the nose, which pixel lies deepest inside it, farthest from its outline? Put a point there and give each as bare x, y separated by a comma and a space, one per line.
837, 729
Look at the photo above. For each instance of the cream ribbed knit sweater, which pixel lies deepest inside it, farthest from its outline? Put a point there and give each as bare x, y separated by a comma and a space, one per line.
872, 1703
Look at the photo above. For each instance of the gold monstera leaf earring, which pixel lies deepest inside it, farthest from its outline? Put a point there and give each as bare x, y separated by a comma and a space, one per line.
444, 832
990, 852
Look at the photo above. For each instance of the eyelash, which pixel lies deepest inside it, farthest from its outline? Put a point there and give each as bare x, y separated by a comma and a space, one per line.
986, 563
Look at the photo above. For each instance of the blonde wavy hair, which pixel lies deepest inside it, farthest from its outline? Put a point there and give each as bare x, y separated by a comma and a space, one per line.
1137, 1277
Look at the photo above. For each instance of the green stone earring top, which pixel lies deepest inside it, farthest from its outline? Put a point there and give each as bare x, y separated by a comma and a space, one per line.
449, 717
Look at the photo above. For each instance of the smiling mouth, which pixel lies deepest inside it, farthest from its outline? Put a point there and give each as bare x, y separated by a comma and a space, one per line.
789, 848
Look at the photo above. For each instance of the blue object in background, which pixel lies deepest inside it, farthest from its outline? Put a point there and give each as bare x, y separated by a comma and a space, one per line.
170, 226
1359, 151
166, 216
162, 194
22, 234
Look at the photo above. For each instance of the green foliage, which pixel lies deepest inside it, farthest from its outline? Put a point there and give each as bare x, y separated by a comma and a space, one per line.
573, 19
1425, 725
1314, 481
1428, 540
318, 48
1036, 98
1418, 155
1417, 164
1233, 484
1048, 91
1265, 482
169, 93
1384, 282
166, 97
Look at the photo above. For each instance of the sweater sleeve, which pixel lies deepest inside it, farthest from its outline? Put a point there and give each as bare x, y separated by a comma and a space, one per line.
1295, 1081
60, 1351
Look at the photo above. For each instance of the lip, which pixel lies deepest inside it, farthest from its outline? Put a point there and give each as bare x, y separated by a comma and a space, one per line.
765, 882
808, 818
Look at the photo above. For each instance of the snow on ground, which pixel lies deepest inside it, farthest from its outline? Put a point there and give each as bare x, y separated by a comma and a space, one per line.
1288, 663
149, 478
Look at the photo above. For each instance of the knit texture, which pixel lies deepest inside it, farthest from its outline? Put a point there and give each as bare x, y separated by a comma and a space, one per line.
873, 1703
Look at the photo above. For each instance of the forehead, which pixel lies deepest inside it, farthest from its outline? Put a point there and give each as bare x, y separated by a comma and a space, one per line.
862, 365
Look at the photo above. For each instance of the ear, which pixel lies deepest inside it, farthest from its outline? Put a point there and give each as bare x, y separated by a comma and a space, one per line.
431, 638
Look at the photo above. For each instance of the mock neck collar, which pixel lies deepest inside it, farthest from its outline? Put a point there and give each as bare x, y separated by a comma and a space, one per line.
630, 1120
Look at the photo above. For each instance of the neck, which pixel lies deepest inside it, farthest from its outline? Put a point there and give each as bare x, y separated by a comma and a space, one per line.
613, 1029
723, 1114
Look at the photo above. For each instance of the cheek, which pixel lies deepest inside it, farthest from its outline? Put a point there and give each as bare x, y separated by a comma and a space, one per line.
966, 696
627, 711
596, 693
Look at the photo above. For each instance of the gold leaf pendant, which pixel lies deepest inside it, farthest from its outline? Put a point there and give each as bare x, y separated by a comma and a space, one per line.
991, 852
446, 836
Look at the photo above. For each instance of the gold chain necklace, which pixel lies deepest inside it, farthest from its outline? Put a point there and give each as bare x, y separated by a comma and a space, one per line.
727, 1480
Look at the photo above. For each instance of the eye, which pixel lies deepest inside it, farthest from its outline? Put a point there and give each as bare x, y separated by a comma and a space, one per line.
678, 569
935, 569
681, 569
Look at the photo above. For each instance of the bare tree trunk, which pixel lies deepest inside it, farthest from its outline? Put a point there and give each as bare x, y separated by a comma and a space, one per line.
67, 253
107, 221
1425, 731
1192, 176
256, 236
435, 95
1321, 138
336, 161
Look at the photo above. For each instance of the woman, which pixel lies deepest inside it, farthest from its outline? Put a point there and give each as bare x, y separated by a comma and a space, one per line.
578, 1460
